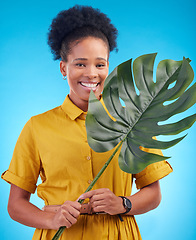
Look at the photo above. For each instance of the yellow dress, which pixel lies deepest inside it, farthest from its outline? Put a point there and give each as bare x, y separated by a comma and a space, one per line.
54, 146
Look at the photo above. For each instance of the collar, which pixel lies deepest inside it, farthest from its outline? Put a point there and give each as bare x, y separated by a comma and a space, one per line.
74, 112
71, 109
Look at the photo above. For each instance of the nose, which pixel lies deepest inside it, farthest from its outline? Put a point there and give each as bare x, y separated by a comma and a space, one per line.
91, 72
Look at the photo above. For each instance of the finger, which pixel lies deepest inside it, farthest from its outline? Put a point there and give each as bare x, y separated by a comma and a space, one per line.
69, 217
98, 209
74, 212
70, 210
68, 224
98, 203
87, 195
63, 221
75, 205
98, 197
99, 206
92, 193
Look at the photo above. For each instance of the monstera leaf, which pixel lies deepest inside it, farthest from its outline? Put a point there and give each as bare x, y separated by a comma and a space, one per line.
135, 124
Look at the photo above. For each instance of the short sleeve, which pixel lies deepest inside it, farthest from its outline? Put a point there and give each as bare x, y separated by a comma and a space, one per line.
153, 172
25, 164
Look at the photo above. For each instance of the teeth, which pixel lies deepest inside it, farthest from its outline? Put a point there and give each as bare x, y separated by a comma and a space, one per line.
90, 85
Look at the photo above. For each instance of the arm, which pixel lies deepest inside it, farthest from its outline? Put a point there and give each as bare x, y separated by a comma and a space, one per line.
145, 200
21, 210
103, 200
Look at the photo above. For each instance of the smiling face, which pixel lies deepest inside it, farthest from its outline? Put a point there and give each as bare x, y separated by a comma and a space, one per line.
86, 68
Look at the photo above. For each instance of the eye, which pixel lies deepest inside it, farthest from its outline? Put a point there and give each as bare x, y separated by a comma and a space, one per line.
80, 65
101, 65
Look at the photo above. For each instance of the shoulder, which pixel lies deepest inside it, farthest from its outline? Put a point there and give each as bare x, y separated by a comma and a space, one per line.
48, 115
46, 120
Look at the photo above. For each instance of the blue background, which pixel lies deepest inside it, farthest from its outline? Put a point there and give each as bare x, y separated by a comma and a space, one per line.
31, 83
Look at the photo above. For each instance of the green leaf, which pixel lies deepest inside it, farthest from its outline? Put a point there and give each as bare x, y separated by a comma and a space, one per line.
138, 121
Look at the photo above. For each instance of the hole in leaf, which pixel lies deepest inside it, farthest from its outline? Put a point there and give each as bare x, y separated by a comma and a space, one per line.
154, 75
168, 102
172, 85
175, 118
134, 84
122, 102
136, 89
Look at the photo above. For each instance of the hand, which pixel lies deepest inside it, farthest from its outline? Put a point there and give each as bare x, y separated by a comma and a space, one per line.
104, 200
66, 215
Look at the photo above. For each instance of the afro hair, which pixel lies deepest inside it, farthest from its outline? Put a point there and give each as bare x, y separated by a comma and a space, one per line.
76, 23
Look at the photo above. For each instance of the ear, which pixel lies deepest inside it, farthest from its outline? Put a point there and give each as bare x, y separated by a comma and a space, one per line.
63, 68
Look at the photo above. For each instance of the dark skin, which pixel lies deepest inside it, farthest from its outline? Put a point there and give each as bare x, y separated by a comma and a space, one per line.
102, 200
21, 210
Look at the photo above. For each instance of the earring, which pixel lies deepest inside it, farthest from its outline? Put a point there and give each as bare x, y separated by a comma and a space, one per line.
64, 77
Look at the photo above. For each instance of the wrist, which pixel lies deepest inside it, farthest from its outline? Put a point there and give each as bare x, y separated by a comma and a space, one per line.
50, 220
127, 205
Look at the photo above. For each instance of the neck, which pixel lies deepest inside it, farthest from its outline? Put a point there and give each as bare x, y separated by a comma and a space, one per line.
83, 105
84, 108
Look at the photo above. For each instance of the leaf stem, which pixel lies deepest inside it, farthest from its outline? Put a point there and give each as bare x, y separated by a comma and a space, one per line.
61, 229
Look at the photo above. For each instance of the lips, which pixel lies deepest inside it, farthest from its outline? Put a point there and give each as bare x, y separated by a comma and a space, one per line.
89, 85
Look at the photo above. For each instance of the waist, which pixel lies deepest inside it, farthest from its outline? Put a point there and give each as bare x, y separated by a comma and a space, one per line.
85, 209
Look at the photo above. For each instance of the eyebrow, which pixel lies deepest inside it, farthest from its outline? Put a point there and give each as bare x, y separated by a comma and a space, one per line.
85, 59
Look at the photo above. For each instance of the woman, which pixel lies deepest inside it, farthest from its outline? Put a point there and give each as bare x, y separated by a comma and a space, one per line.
54, 146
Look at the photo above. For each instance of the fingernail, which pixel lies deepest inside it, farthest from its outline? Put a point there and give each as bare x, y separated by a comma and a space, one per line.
81, 197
